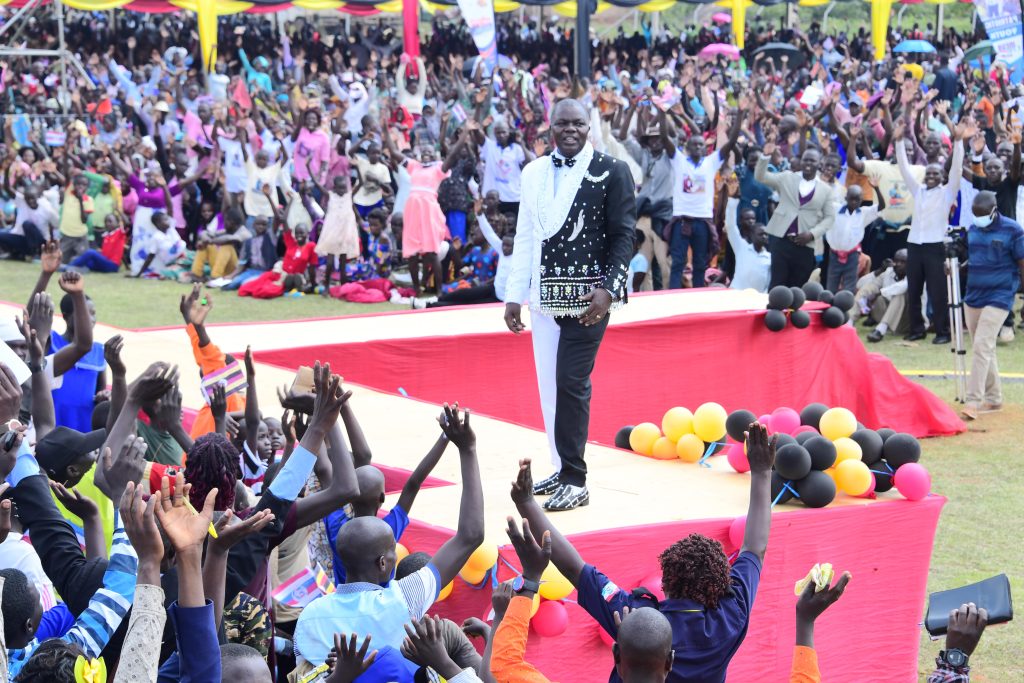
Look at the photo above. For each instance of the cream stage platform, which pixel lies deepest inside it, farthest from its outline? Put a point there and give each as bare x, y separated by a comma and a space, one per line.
661, 350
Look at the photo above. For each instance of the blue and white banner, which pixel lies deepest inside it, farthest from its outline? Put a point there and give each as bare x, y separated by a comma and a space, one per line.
479, 16
1002, 19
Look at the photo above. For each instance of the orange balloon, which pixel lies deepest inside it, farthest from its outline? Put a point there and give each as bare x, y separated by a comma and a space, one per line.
473, 575
401, 552
853, 477
663, 449
643, 436
446, 591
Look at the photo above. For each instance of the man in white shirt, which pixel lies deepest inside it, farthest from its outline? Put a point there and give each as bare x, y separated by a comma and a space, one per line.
926, 255
34, 219
753, 260
845, 235
693, 200
882, 295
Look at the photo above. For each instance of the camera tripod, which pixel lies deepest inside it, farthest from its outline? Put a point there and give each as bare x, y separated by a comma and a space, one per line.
956, 315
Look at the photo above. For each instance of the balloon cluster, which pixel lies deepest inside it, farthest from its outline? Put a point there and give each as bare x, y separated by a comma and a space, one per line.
823, 450
684, 435
548, 616
784, 306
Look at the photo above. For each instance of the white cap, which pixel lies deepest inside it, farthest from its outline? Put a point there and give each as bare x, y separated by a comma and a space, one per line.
9, 331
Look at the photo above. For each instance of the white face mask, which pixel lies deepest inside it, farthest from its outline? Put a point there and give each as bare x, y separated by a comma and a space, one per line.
984, 221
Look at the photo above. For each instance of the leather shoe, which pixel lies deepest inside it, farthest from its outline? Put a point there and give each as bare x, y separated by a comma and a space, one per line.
548, 486
568, 497
941, 339
914, 336
875, 336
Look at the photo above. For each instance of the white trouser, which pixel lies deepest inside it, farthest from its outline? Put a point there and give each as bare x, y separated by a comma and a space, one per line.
545, 332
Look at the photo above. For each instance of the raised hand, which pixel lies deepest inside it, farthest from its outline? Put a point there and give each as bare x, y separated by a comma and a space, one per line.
185, 528
500, 598
50, 257
112, 354
185, 307
965, 628
534, 558
157, 380
72, 283
74, 501
760, 449
131, 464
813, 602
522, 487
350, 660
424, 645
40, 314
35, 346
328, 398
168, 412
456, 428
474, 627
250, 368
139, 524
231, 530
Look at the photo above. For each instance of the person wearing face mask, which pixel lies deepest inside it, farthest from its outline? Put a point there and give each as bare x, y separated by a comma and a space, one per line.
995, 270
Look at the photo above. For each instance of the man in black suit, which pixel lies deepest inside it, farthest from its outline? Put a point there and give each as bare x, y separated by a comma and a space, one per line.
573, 245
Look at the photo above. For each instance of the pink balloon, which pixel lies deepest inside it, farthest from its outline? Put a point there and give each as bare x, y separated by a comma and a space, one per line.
804, 428
551, 619
913, 481
736, 531
870, 493
785, 420
737, 458
653, 584
605, 637
766, 421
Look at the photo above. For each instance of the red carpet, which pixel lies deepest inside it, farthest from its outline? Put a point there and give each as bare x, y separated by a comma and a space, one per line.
644, 368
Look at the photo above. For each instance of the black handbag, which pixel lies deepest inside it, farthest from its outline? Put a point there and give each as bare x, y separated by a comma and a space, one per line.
991, 594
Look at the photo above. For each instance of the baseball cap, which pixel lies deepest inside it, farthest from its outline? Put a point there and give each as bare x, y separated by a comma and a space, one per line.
63, 446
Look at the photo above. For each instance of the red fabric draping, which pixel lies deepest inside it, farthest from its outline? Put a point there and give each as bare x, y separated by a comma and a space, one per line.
359, 10
887, 547
411, 27
645, 368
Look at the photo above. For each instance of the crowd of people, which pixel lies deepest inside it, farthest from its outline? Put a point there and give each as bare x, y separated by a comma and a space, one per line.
300, 162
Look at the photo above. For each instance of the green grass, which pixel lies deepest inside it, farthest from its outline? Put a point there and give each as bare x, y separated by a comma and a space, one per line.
153, 303
980, 472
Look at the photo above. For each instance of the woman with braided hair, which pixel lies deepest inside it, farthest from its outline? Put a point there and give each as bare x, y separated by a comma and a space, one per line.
212, 464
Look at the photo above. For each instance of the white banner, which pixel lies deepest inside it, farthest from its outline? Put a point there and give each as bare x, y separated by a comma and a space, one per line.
479, 16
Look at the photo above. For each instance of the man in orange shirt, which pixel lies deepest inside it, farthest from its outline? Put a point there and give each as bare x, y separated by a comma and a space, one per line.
194, 309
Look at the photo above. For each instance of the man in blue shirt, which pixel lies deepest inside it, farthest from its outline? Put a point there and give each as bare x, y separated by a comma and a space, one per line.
995, 269
707, 603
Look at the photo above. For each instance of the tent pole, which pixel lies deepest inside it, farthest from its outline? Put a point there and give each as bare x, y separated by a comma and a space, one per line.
583, 38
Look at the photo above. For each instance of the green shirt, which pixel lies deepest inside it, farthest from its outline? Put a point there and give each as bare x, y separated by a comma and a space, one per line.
163, 449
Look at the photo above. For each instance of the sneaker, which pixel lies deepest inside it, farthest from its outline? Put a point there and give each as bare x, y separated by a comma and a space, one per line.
548, 486
970, 411
568, 497
1005, 335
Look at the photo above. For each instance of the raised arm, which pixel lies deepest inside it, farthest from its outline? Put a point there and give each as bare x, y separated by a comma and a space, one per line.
563, 554
761, 454
420, 474
452, 556
65, 359
903, 162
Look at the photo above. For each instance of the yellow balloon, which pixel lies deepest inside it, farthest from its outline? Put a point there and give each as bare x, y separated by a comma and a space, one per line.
677, 421
690, 448
554, 586
445, 592
853, 477
837, 423
709, 422
483, 558
401, 552
663, 449
472, 575
847, 449
643, 436
536, 604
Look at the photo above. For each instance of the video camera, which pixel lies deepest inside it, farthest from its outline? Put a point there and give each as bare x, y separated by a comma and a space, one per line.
955, 243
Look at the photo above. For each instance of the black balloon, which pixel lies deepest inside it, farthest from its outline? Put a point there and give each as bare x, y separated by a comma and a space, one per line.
885, 433
883, 477
826, 296
832, 317
800, 319
785, 440
870, 445
780, 298
802, 437
775, 320
813, 290
715, 448
738, 422
811, 414
816, 489
622, 437
777, 488
799, 298
843, 300
792, 462
899, 449
822, 451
